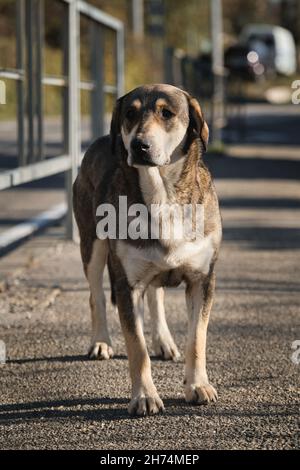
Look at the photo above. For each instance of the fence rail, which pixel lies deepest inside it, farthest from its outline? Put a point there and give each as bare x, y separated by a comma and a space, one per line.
30, 79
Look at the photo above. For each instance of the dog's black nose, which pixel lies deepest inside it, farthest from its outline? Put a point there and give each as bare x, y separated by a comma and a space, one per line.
140, 146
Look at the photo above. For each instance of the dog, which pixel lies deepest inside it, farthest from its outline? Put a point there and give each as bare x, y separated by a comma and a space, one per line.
153, 156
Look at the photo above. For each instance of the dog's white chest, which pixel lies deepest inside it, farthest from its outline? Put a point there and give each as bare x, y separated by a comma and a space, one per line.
195, 255
141, 264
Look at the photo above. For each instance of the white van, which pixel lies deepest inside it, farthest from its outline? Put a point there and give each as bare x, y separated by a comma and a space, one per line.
279, 40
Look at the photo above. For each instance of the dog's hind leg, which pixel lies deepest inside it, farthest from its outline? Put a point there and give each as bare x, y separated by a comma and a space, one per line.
101, 344
162, 340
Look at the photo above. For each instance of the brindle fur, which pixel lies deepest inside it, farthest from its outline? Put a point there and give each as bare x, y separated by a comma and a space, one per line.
104, 176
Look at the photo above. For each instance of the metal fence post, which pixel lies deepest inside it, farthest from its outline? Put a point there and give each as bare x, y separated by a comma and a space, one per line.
217, 69
73, 111
20, 84
97, 68
65, 68
39, 31
31, 100
120, 61
137, 13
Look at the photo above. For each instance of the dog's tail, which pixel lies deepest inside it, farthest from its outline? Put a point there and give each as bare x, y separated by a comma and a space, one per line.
112, 281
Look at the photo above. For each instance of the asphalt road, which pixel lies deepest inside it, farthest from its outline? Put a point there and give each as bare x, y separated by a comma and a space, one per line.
53, 397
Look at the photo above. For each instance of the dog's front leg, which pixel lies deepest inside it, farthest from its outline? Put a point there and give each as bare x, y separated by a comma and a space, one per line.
145, 399
199, 299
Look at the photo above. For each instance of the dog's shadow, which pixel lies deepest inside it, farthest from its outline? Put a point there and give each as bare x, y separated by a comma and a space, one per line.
87, 409
90, 409
73, 358
101, 409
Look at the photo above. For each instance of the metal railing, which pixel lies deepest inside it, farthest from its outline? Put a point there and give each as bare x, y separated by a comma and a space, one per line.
30, 79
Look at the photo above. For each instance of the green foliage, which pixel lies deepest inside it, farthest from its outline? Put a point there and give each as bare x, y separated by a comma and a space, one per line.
187, 23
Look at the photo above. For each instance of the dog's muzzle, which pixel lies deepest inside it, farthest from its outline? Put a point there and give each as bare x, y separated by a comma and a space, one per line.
141, 153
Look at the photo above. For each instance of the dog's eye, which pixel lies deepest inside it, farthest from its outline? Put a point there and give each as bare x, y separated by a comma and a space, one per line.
130, 113
166, 114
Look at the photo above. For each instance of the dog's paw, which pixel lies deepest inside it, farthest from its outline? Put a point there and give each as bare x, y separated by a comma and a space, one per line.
165, 347
200, 394
146, 405
100, 350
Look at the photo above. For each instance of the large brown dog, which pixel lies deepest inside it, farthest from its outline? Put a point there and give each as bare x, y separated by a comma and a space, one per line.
152, 156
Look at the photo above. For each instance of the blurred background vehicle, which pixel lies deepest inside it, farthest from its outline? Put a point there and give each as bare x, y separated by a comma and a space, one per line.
247, 62
274, 45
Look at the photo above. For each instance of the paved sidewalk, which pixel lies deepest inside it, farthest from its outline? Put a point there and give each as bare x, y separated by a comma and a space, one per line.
52, 397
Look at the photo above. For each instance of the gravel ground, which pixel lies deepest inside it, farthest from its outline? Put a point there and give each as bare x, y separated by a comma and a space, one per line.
53, 397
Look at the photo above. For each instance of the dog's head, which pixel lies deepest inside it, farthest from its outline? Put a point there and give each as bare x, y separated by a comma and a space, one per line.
156, 122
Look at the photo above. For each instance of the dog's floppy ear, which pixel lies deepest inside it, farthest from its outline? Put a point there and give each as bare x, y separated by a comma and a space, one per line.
197, 126
115, 125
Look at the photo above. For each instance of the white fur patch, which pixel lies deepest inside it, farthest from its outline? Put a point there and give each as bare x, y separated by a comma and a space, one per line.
164, 144
143, 264
152, 185
127, 139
